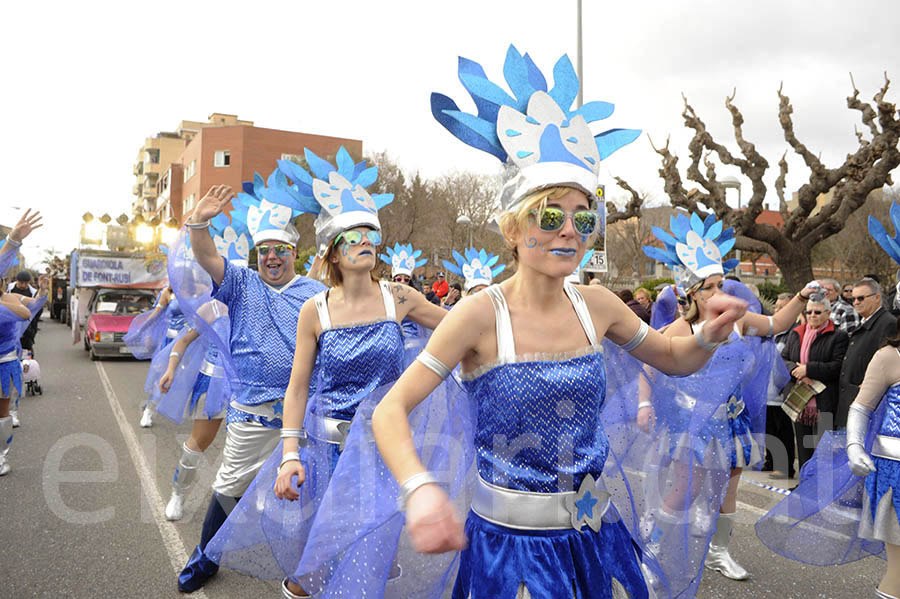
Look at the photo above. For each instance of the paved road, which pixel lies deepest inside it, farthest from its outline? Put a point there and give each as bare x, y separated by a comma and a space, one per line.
78, 522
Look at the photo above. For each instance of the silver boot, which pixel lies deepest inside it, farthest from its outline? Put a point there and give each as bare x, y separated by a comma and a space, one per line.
147, 417
6, 432
718, 558
287, 594
185, 475
879, 594
14, 415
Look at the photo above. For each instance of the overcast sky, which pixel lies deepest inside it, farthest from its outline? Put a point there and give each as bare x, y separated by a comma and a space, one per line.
86, 82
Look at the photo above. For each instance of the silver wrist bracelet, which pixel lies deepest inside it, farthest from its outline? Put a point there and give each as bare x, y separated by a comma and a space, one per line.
174, 354
13, 242
645, 404
703, 343
411, 484
200, 225
289, 457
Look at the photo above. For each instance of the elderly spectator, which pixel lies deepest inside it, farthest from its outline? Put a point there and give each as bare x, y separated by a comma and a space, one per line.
638, 309
440, 286
814, 352
876, 325
843, 315
779, 428
847, 294
642, 296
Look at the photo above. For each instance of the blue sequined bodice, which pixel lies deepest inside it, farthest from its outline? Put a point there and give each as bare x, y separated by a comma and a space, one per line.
539, 425
891, 424
176, 316
354, 360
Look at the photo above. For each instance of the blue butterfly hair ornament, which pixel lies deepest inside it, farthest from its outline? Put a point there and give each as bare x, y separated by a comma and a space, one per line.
403, 259
267, 209
535, 128
694, 249
477, 267
336, 195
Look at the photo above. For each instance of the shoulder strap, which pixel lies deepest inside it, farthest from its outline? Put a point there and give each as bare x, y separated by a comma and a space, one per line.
506, 345
321, 300
581, 310
390, 309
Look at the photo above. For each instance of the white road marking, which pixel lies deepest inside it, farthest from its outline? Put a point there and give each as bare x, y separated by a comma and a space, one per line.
171, 539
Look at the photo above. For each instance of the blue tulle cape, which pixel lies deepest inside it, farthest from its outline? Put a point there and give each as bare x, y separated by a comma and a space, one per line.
147, 332
818, 523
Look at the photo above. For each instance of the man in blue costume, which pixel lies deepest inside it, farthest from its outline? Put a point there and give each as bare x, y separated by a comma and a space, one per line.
263, 308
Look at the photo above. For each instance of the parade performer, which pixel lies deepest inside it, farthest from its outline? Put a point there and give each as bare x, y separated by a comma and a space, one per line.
255, 341
193, 382
845, 507
352, 334
16, 313
9, 247
730, 439
476, 267
533, 364
404, 261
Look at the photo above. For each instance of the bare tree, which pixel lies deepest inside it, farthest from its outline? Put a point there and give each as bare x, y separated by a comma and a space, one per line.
866, 169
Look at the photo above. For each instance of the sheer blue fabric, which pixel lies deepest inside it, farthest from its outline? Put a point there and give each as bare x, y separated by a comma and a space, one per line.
818, 523
7, 259
147, 331
665, 308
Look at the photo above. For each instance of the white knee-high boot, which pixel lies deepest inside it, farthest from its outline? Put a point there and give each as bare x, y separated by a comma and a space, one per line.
6, 432
718, 558
185, 475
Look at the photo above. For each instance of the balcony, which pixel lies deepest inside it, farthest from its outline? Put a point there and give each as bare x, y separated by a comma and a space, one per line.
138, 169
150, 179
148, 192
136, 190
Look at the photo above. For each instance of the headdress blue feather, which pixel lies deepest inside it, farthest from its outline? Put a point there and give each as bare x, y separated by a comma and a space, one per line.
232, 239
891, 245
403, 259
336, 194
309, 263
695, 247
533, 125
477, 267
268, 208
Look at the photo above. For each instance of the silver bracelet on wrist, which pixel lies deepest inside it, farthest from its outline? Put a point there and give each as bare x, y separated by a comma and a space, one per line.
411, 484
703, 343
645, 404
174, 354
13, 242
291, 456
200, 225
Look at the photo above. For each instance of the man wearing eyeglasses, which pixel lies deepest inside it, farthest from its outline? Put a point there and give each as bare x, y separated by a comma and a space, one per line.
843, 315
876, 325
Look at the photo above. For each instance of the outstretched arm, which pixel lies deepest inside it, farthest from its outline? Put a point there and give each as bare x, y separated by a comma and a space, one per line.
28, 223
413, 304
212, 204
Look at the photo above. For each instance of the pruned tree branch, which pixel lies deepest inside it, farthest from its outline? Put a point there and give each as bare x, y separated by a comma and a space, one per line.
633, 209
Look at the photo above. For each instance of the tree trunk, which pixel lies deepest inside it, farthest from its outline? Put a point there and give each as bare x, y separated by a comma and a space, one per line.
796, 267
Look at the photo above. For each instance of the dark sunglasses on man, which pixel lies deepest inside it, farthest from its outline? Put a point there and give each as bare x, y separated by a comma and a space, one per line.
281, 250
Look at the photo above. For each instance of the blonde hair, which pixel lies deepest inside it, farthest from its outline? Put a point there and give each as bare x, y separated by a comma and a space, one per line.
692, 312
514, 223
331, 273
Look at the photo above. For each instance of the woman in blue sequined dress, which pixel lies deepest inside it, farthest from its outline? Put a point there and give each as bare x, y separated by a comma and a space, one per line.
349, 343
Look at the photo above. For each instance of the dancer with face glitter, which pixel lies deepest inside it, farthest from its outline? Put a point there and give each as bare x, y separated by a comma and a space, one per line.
352, 333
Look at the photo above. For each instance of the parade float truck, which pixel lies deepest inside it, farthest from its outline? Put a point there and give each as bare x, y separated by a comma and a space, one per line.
108, 290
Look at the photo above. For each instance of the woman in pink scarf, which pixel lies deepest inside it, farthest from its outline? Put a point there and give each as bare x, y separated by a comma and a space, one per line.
814, 352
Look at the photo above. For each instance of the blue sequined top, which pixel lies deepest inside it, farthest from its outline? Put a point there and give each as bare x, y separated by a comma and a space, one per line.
890, 426
353, 361
539, 425
176, 316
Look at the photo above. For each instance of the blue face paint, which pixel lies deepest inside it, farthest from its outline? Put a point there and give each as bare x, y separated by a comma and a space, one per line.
531, 242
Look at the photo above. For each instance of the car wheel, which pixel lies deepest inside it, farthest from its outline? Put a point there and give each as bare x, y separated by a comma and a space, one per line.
94, 357
87, 345
63, 313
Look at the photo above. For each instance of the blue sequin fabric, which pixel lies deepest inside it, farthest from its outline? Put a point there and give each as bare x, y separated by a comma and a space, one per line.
890, 426
176, 316
539, 426
887, 471
353, 361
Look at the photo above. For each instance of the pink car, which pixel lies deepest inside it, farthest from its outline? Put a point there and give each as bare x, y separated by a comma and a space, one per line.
111, 312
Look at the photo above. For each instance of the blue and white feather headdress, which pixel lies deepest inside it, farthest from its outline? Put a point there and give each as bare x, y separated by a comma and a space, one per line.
694, 249
535, 129
477, 267
891, 245
232, 239
268, 208
403, 259
336, 195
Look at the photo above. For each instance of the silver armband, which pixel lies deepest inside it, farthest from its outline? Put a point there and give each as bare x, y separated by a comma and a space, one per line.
638, 337
645, 404
174, 354
771, 326
294, 433
411, 484
433, 364
703, 343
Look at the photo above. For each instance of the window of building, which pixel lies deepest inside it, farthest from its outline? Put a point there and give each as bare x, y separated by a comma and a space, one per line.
189, 205
222, 158
189, 171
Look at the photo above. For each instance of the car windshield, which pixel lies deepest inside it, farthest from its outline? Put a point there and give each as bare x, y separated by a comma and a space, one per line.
122, 303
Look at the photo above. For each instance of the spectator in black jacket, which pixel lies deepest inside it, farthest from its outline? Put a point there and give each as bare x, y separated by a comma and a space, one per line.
876, 326
814, 352
780, 452
632, 303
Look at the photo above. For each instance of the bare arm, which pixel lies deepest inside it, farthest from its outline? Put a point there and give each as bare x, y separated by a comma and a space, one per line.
175, 355
16, 306
28, 223
758, 325
413, 304
202, 244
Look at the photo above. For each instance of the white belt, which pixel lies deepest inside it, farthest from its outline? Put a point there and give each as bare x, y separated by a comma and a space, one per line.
541, 511
211, 370
329, 430
171, 333
886, 446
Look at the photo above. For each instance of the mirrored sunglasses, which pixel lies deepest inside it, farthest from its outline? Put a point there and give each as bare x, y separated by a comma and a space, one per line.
356, 237
552, 219
281, 250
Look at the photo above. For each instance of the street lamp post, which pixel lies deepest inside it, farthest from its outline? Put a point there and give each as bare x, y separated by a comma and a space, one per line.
734, 183
465, 220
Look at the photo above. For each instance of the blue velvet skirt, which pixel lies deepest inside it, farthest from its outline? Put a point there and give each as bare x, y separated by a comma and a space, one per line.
10, 376
552, 564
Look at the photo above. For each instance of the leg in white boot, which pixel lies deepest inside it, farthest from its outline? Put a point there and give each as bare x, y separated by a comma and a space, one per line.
147, 417
14, 414
6, 427
718, 558
185, 475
